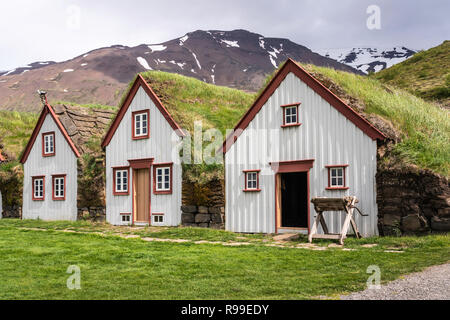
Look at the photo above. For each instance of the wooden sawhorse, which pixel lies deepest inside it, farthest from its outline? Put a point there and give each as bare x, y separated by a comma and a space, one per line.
346, 204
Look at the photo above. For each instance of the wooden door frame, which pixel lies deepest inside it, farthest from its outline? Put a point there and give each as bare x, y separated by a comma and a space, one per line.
291, 167
137, 164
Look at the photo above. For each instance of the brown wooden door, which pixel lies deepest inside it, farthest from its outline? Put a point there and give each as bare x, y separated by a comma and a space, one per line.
141, 183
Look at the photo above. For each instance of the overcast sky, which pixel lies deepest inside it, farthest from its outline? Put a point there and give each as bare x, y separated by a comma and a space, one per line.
36, 30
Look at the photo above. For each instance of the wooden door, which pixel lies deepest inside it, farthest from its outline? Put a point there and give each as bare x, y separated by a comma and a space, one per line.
141, 183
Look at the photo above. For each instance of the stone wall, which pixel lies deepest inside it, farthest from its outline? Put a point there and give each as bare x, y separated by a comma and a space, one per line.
12, 212
203, 217
210, 194
95, 214
412, 202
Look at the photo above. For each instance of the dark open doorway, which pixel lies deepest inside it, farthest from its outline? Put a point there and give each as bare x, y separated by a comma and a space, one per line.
294, 200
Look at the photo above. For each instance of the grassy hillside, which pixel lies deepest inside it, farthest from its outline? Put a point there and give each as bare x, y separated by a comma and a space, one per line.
15, 130
423, 126
188, 99
426, 74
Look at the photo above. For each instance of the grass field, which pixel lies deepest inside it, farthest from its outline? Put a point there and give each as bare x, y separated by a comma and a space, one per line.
34, 263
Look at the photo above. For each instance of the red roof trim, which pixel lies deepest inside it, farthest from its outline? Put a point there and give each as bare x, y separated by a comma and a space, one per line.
47, 110
140, 82
319, 88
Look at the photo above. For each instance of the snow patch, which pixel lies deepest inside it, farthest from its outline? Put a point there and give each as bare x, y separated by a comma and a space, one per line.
230, 43
262, 43
68, 70
183, 39
196, 60
213, 77
65, 90
143, 63
43, 63
181, 65
272, 60
24, 71
11, 71
85, 55
84, 64
157, 47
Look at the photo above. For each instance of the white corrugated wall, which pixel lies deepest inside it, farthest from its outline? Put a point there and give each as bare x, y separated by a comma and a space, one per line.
325, 135
161, 146
64, 162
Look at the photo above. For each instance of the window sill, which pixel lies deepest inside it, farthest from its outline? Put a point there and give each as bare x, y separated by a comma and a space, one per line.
48, 155
36, 199
252, 190
162, 192
121, 193
336, 188
141, 137
58, 199
291, 125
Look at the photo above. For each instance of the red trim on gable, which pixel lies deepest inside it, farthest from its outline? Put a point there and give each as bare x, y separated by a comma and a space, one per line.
319, 88
43, 144
140, 82
54, 198
47, 110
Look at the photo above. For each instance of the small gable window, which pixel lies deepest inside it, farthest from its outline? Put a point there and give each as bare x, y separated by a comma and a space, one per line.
162, 178
336, 177
251, 180
120, 186
290, 115
59, 187
48, 144
38, 188
141, 124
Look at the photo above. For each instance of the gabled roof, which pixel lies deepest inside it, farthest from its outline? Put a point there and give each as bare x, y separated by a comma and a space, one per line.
140, 82
77, 124
45, 111
319, 88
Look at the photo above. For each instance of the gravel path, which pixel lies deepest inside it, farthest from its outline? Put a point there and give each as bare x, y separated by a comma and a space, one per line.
431, 284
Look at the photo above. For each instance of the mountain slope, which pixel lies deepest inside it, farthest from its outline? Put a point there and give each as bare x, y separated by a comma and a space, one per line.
238, 59
426, 74
368, 59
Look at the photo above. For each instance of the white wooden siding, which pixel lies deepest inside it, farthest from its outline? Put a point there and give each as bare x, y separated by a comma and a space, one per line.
161, 146
325, 135
64, 162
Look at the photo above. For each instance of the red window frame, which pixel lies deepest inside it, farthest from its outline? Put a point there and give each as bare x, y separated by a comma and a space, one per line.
287, 125
257, 171
54, 197
43, 188
43, 144
344, 167
162, 165
121, 193
133, 118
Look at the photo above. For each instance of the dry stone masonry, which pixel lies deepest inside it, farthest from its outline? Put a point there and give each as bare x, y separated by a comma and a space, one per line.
203, 217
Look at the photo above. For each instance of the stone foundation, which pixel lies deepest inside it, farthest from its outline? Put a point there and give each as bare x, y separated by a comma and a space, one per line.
95, 214
12, 212
203, 217
412, 202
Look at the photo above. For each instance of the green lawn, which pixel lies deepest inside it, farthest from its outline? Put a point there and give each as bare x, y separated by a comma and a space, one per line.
33, 264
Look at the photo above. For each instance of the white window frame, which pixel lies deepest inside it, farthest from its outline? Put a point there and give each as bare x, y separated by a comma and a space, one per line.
138, 119
156, 218
160, 172
50, 148
254, 180
334, 175
125, 218
58, 187
290, 117
41, 180
123, 185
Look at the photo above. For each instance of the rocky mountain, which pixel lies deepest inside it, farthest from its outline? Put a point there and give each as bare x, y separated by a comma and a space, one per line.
368, 59
239, 59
